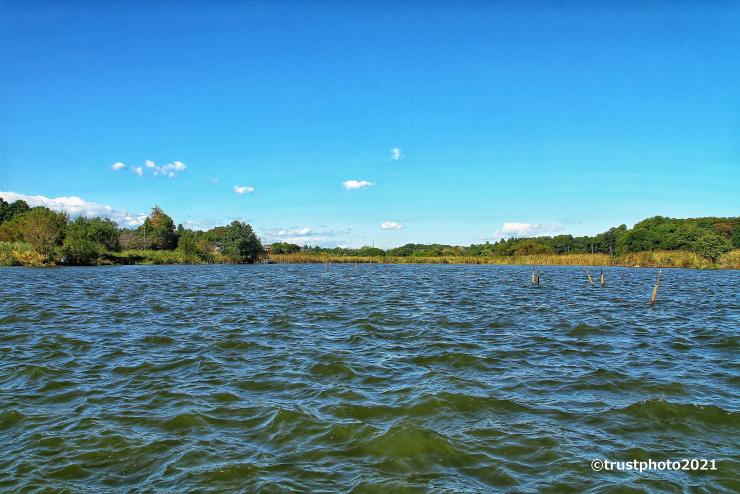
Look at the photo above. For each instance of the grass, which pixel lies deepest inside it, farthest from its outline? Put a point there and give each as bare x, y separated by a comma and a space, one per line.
568, 259
663, 259
142, 256
20, 254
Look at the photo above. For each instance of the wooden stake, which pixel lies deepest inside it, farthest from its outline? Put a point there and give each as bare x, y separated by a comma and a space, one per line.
533, 278
603, 281
590, 278
655, 290
538, 277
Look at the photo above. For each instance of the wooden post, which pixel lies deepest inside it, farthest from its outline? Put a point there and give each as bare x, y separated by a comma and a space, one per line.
590, 278
533, 278
655, 290
538, 277
603, 281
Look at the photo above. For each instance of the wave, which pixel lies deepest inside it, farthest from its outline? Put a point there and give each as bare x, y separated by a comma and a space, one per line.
660, 410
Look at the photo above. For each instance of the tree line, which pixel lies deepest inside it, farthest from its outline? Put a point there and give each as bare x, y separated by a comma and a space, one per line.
56, 239
82, 241
707, 237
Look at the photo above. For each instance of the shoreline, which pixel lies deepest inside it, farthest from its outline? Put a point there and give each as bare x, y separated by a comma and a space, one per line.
648, 259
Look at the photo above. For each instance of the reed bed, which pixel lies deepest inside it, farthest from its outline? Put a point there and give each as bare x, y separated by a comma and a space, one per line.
143, 256
653, 259
533, 260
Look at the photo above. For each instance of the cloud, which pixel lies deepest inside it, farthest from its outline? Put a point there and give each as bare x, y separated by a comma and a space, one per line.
169, 170
391, 225
243, 189
356, 184
76, 206
289, 232
306, 236
517, 229
396, 154
202, 225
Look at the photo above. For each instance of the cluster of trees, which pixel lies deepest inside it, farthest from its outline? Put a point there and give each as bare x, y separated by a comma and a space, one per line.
708, 237
284, 248
87, 240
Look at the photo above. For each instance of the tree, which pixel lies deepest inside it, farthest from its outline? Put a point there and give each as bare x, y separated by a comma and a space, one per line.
159, 230
711, 246
100, 231
42, 228
80, 251
9, 210
370, 252
284, 248
530, 247
86, 239
132, 239
239, 242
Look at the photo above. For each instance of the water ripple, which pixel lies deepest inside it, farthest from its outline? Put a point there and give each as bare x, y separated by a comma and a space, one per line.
366, 378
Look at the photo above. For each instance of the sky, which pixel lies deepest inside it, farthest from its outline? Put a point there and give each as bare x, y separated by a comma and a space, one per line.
373, 123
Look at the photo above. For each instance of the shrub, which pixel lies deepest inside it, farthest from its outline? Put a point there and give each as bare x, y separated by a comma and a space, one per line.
19, 254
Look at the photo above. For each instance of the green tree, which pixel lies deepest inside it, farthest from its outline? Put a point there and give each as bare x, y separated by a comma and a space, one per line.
86, 239
239, 242
711, 246
194, 243
98, 230
370, 251
284, 248
159, 230
9, 210
530, 247
80, 251
42, 228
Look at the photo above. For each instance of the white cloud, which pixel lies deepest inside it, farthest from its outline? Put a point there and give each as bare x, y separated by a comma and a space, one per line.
169, 170
289, 232
243, 189
76, 206
391, 225
306, 236
517, 229
396, 154
202, 225
356, 184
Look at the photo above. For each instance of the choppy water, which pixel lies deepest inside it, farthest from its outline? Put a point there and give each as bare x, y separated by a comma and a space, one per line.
364, 379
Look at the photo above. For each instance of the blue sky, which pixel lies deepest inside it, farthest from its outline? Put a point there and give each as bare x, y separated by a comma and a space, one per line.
511, 119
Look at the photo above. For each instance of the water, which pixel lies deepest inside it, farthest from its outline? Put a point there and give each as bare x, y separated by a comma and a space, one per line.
281, 378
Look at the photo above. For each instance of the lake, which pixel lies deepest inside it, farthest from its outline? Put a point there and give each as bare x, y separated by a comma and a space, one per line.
367, 378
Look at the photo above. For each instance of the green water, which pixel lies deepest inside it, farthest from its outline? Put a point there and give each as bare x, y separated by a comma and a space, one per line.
364, 379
